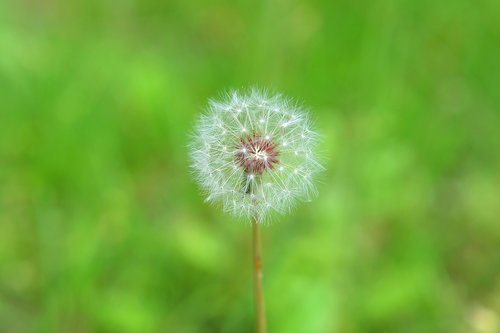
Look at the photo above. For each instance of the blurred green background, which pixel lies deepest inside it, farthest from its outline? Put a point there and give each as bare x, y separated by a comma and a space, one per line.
103, 230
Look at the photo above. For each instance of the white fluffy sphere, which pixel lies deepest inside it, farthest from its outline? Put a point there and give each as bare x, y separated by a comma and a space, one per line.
255, 153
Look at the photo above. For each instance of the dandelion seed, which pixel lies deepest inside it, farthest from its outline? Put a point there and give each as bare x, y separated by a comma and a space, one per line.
245, 154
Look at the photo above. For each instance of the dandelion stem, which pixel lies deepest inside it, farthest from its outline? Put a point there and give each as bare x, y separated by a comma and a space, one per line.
259, 294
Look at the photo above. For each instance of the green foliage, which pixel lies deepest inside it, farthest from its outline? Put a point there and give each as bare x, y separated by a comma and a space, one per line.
103, 230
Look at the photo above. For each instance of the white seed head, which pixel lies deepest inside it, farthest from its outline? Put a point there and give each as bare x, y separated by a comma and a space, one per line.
255, 153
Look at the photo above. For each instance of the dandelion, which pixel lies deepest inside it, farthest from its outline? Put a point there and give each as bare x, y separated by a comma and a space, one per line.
255, 153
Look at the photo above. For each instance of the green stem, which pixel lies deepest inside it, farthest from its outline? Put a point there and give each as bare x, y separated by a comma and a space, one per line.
259, 294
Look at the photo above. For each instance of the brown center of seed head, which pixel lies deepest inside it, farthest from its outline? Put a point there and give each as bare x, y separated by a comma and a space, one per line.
256, 154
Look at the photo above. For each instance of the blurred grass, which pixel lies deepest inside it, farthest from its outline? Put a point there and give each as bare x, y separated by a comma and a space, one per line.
102, 229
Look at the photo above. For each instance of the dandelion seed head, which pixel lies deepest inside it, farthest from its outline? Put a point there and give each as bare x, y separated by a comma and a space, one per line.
255, 153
